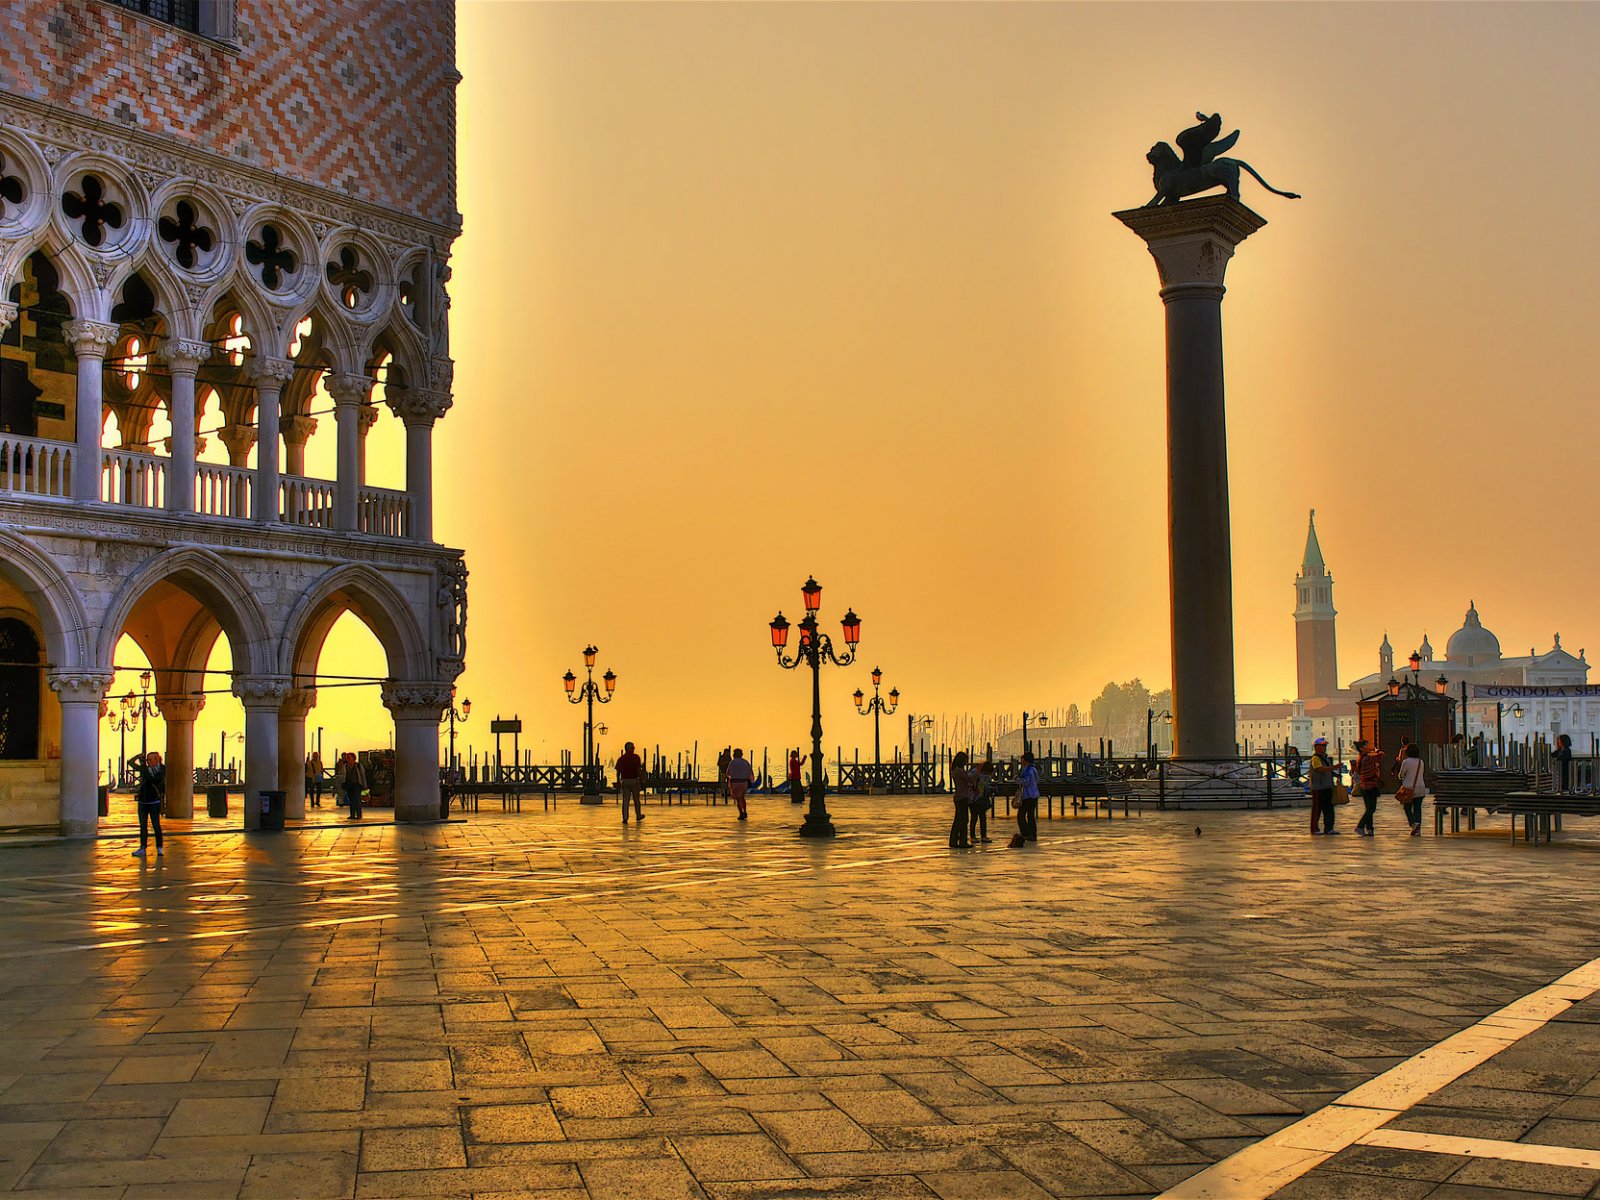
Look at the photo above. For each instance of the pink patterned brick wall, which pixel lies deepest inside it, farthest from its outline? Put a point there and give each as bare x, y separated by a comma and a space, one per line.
357, 96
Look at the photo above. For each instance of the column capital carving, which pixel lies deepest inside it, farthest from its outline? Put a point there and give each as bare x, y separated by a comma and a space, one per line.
419, 406
269, 372
366, 417
416, 699
90, 339
180, 708
238, 439
297, 431
79, 687
348, 389
1192, 241
8, 314
298, 704
182, 356
261, 691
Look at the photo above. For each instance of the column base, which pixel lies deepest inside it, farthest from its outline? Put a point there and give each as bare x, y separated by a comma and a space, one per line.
72, 828
586, 798
818, 827
416, 814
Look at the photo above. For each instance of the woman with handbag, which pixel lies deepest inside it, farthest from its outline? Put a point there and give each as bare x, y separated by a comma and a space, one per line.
1413, 787
964, 781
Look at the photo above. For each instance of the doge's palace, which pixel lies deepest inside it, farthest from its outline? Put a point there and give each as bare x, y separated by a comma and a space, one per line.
225, 229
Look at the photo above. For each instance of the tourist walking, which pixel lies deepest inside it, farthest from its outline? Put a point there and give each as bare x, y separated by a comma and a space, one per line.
151, 791
1413, 787
1562, 757
314, 778
964, 783
739, 774
1027, 800
1368, 772
978, 807
797, 791
1321, 787
630, 781
355, 783
723, 760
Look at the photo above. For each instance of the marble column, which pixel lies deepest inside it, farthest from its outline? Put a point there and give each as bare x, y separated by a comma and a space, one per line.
90, 341
366, 418
179, 712
261, 696
292, 748
419, 410
297, 432
238, 439
80, 693
349, 397
1192, 242
416, 708
183, 359
270, 376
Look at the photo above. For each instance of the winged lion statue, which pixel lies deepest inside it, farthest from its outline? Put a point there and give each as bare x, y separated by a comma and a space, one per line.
1202, 167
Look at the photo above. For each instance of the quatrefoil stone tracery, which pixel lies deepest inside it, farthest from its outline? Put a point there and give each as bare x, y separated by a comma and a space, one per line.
186, 234
12, 190
91, 208
348, 278
273, 257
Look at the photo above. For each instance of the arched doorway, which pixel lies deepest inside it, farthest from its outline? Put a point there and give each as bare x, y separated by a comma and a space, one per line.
20, 685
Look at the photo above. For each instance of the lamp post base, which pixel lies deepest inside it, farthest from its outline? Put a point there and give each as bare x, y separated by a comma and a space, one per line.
591, 798
818, 826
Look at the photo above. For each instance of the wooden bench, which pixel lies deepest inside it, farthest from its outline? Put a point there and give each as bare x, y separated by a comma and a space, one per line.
1455, 809
1541, 812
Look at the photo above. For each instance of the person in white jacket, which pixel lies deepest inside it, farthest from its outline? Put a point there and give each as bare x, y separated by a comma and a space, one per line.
1413, 784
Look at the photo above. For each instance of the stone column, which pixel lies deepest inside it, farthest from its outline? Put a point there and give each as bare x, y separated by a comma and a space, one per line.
292, 748
270, 375
419, 410
238, 439
297, 432
90, 340
80, 693
179, 712
366, 418
349, 398
261, 695
183, 359
1192, 242
416, 708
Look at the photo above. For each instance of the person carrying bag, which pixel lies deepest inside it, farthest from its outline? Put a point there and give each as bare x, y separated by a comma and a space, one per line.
1413, 787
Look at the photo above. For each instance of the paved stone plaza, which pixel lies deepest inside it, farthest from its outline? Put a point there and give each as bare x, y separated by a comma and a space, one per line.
547, 1004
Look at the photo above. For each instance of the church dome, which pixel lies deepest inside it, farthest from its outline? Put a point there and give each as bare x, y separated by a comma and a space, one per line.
1472, 644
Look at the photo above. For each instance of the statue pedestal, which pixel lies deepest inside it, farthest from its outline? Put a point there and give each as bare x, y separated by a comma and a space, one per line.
1192, 242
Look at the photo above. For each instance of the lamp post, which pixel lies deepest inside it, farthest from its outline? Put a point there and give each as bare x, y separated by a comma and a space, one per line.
1500, 723
589, 694
121, 723
1150, 718
876, 708
814, 647
1037, 720
451, 714
140, 710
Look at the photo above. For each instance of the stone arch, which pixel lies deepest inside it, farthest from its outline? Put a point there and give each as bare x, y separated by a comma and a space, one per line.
215, 586
379, 605
59, 609
171, 302
405, 351
72, 281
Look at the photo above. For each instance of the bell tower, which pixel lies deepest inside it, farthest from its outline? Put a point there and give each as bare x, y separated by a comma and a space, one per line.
1316, 657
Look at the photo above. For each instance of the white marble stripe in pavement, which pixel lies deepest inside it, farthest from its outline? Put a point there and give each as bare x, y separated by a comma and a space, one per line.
1277, 1160
1468, 1147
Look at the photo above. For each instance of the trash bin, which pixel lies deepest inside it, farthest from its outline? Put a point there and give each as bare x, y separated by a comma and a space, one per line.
105, 799
216, 800
273, 805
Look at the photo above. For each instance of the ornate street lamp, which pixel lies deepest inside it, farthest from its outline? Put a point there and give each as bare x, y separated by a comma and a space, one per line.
122, 721
452, 715
589, 693
876, 708
1151, 716
1441, 685
140, 710
815, 646
1394, 686
1037, 720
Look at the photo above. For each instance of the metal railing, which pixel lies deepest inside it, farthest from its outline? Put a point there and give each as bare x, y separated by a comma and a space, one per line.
899, 777
223, 491
383, 512
128, 477
34, 466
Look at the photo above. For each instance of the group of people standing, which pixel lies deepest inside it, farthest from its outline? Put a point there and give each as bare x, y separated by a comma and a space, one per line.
1367, 772
973, 800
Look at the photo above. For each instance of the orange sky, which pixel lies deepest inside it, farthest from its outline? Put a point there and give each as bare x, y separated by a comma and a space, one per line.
750, 291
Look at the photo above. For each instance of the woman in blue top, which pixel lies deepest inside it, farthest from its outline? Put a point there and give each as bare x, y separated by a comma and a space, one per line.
1027, 802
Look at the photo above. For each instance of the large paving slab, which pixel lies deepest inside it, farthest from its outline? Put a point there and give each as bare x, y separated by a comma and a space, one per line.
548, 1004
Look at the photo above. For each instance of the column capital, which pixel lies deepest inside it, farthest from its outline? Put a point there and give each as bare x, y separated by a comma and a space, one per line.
348, 389
269, 372
297, 431
238, 439
180, 708
298, 704
366, 417
79, 687
419, 406
8, 314
90, 339
182, 356
261, 691
416, 699
1192, 241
